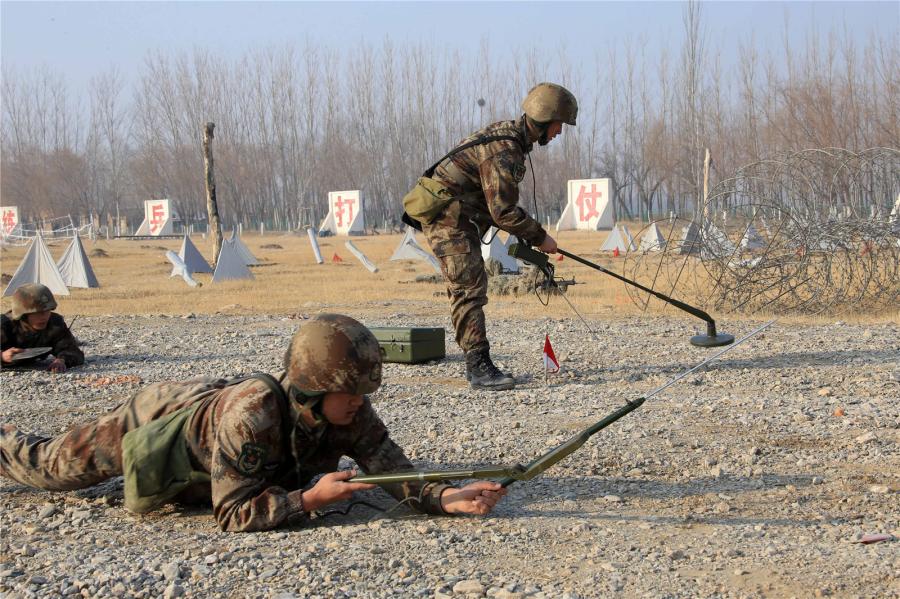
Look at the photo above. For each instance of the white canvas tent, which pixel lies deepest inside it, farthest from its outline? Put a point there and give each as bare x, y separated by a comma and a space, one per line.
614, 240
231, 264
409, 249
626, 234
588, 206
75, 267
497, 250
652, 240
243, 251
180, 269
38, 267
191, 257
690, 239
345, 214
715, 241
752, 240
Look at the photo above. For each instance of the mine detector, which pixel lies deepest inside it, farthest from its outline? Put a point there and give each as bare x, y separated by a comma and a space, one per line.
510, 474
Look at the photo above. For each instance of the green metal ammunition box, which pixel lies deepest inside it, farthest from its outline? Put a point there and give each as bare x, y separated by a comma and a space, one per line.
410, 345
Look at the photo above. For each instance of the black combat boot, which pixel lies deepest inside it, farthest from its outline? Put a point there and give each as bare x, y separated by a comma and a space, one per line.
482, 374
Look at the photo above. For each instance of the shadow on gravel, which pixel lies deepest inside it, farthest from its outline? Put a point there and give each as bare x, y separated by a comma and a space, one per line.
676, 520
785, 360
580, 488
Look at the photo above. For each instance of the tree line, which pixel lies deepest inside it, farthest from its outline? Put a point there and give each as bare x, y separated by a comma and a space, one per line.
294, 122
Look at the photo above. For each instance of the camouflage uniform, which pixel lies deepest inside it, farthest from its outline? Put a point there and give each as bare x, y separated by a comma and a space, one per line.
489, 174
15, 331
236, 436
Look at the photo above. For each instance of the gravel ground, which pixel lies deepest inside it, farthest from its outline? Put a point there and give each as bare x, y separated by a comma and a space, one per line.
751, 479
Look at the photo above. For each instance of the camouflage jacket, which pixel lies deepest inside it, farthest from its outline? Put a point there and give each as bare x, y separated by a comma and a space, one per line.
237, 436
15, 333
492, 173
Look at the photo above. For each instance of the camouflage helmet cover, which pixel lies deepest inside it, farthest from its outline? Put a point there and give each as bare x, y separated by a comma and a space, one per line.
548, 102
334, 353
31, 298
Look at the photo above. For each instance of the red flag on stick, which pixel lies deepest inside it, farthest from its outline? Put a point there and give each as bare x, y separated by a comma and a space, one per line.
550, 360
559, 257
336, 258
616, 251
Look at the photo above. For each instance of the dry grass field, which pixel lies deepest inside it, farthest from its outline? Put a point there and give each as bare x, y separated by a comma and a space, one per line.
134, 279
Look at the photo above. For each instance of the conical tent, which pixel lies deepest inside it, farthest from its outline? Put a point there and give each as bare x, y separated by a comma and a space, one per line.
652, 240
690, 239
409, 249
496, 249
752, 240
614, 240
243, 251
38, 267
626, 235
192, 258
75, 267
715, 241
231, 264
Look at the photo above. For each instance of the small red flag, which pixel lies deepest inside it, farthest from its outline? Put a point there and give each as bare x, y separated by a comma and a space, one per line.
336, 258
549, 357
559, 257
616, 251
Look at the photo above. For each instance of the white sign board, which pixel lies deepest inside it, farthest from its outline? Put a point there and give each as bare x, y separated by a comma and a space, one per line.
589, 206
9, 218
345, 214
157, 219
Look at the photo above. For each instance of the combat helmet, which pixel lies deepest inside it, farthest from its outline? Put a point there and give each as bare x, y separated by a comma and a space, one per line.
31, 298
333, 353
548, 102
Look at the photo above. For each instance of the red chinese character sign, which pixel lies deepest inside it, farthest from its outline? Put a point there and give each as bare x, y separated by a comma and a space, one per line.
345, 214
9, 219
589, 206
157, 219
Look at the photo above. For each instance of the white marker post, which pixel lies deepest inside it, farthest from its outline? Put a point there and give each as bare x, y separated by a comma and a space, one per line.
315, 245
360, 256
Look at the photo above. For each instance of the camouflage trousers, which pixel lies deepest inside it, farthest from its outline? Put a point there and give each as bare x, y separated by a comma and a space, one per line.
89, 453
456, 244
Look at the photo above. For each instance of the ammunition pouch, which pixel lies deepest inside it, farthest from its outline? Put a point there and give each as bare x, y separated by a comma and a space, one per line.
426, 200
156, 463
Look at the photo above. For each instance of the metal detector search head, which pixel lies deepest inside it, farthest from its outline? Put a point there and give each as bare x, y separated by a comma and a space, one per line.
541, 261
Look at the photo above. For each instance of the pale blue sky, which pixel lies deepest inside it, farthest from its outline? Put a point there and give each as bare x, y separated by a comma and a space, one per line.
82, 39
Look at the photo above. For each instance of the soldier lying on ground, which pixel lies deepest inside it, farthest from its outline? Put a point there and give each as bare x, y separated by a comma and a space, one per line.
247, 446
32, 323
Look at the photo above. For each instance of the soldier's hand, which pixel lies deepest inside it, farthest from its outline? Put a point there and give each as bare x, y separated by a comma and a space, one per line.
57, 365
548, 246
332, 487
8, 354
475, 498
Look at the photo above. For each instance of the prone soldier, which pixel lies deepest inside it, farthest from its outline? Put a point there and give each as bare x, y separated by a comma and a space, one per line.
32, 323
250, 446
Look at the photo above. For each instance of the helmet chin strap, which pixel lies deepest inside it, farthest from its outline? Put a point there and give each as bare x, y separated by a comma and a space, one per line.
543, 129
310, 406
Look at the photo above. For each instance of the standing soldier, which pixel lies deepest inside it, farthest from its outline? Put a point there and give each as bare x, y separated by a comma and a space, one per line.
32, 323
476, 186
249, 446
